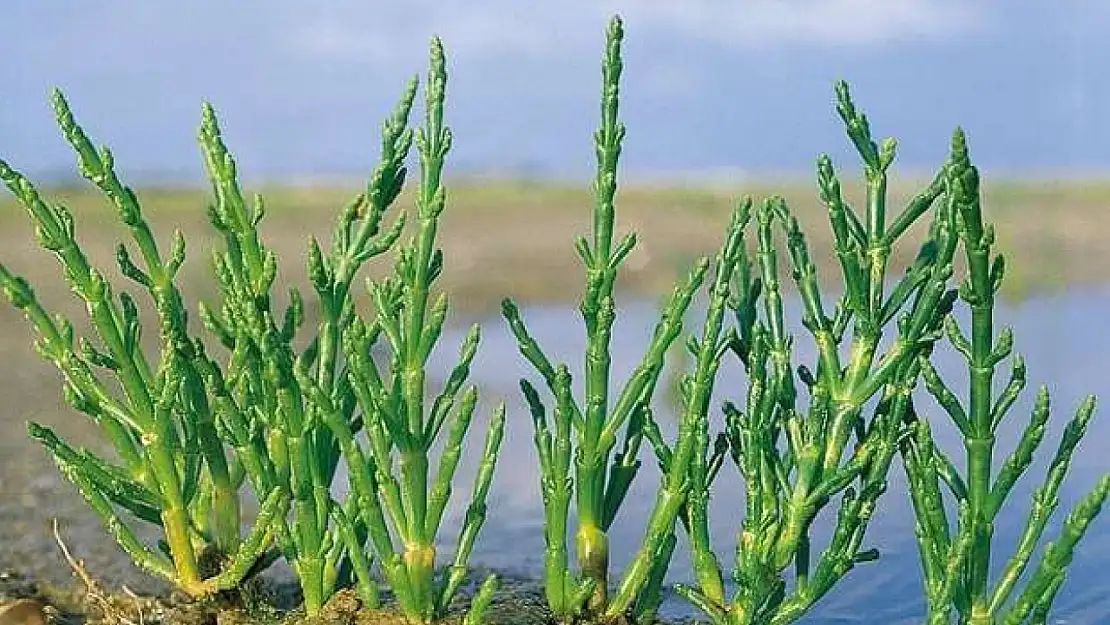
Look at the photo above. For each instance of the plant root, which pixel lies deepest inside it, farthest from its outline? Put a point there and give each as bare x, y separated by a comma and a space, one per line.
127, 608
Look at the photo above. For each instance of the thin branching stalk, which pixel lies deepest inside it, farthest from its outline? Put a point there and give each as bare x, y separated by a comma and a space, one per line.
175, 472
792, 458
686, 465
397, 500
588, 430
277, 433
956, 558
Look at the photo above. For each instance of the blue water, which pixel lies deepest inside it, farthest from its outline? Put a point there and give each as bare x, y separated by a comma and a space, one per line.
1065, 340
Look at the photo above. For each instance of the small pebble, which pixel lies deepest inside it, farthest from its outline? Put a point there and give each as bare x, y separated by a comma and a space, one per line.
23, 612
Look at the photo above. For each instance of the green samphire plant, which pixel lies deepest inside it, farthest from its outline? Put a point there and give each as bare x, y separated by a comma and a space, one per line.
173, 469
795, 459
577, 449
190, 431
396, 499
268, 406
956, 556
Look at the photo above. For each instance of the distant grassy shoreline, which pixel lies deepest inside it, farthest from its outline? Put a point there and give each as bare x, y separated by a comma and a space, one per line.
504, 237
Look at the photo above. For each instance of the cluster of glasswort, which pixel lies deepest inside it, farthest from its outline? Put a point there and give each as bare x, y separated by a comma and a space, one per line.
282, 407
190, 430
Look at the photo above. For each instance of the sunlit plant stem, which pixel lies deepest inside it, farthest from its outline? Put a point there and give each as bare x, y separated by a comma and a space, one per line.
956, 557
588, 432
175, 473
397, 500
790, 457
278, 435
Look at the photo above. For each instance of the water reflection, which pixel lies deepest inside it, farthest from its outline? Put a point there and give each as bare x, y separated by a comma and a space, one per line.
1066, 345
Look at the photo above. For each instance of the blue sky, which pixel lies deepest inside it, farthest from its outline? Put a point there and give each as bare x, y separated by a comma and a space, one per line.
711, 87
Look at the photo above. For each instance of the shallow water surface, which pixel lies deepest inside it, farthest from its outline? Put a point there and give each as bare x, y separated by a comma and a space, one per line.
1066, 343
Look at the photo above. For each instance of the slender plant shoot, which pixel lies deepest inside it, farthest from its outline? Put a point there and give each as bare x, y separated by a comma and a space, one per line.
262, 406
588, 431
956, 557
173, 469
398, 502
791, 458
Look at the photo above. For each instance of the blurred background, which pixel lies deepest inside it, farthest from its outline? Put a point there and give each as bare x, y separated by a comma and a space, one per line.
713, 90
720, 99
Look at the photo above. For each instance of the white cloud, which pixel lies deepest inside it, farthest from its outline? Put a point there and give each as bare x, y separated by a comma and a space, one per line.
354, 31
330, 39
810, 22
